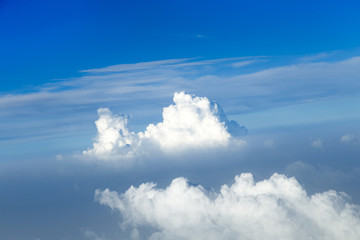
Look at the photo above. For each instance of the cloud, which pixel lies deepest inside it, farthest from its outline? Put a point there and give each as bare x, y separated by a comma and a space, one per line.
113, 136
315, 57
191, 123
275, 208
89, 234
135, 235
348, 138
317, 143
137, 66
269, 143
201, 36
60, 108
245, 63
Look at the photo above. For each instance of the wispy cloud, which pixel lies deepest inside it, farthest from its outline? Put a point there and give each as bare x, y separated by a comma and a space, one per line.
138, 66
141, 88
314, 57
201, 36
245, 63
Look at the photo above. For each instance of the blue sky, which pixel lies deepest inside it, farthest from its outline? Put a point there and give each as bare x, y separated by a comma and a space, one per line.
42, 41
100, 95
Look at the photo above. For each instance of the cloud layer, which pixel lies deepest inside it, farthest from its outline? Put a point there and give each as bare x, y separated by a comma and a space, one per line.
190, 123
276, 208
60, 108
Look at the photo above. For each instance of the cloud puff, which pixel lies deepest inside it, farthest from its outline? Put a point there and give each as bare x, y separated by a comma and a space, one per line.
269, 143
347, 138
276, 208
89, 234
316, 143
113, 136
191, 123
59, 157
350, 138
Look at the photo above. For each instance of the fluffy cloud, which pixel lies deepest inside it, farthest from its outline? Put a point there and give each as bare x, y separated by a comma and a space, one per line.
191, 123
113, 138
276, 208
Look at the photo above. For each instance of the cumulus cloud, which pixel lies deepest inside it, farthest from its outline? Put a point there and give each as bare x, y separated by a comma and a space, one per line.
190, 123
275, 208
113, 136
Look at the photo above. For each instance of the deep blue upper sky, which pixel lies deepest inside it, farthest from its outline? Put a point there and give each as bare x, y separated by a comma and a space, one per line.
45, 40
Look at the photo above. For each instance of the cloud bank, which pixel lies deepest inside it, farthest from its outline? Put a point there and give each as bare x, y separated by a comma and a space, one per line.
275, 208
190, 123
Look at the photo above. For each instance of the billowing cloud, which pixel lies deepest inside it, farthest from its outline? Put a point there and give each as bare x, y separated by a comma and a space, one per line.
190, 123
113, 136
275, 208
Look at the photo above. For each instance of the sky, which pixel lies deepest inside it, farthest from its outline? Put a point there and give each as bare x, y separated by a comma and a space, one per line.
179, 120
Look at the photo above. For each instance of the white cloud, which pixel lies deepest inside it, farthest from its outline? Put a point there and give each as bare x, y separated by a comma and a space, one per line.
315, 57
269, 143
348, 138
244, 63
200, 36
89, 234
275, 208
191, 123
317, 143
113, 136
137, 66
61, 108
135, 235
